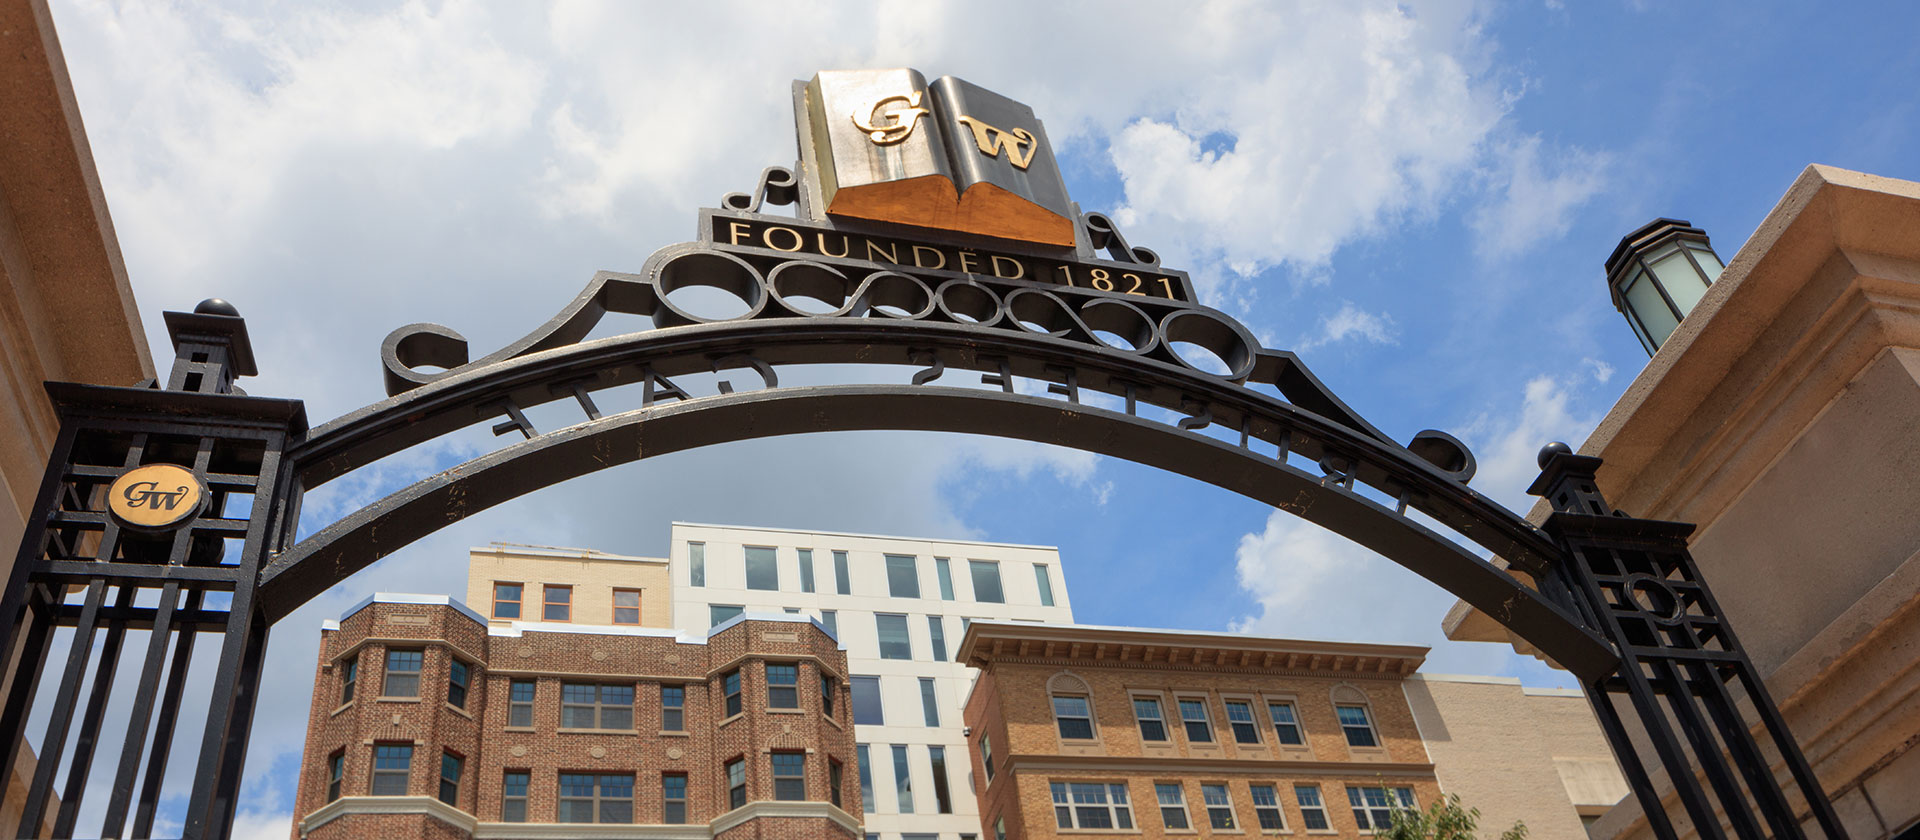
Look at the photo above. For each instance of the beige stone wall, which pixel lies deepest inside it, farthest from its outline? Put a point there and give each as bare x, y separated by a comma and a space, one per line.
1516, 755
593, 575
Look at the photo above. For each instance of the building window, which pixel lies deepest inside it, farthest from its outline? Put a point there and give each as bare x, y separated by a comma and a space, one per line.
986, 755
506, 600
596, 798
806, 569
1153, 726
943, 569
730, 689
1193, 715
513, 796
1313, 812
902, 779
520, 703
1286, 723
1373, 807
1219, 806
866, 778
458, 676
450, 779
673, 798
867, 709
828, 687
1042, 579
937, 631
830, 619
1266, 807
986, 582
1240, 718
718, 614
789, 776
1173, 805
589, 706
1089, 805
336, 767
349, 676
763, 570
903, 576
403, 674
736, 783
783, 686
929, 707
626, 606
1358, 726
556, 603
1074, 717
999, 828
836, 775
894, 643
673, 708
391, 763
840, 581
942, 798
697, 563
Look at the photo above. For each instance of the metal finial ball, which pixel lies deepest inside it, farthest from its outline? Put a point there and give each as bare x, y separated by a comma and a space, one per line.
216, 306
1555, 448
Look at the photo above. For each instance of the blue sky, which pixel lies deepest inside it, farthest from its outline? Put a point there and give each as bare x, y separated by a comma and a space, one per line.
1416, 197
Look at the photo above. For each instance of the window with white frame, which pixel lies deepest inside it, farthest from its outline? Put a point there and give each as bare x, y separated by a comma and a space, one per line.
1240, 718
1313, 810
1219, 806
1091, 805
403, 673
391, 765
596, 798
1193, 715
1266, 808
589, 706
1286, 724
1153, 724
1373, 807
1173, 805
1358, 726
1075, 717
783, 685
763, 568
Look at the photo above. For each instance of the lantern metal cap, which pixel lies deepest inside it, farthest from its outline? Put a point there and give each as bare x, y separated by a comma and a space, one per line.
1650, 235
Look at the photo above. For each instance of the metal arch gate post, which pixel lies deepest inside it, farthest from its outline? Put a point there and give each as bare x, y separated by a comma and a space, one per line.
1619, 602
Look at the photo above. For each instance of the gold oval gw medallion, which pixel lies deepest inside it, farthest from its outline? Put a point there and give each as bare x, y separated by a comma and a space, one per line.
156, 497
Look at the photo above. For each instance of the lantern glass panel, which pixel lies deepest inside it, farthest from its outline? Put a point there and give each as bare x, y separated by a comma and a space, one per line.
1709, 263
1643, 298
1683, 283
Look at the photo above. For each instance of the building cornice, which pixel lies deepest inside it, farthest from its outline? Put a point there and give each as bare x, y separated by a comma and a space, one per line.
1129, 647
1022, 762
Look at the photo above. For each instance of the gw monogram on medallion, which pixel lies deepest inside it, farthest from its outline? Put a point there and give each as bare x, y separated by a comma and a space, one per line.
893, 124
992, 140
155, 497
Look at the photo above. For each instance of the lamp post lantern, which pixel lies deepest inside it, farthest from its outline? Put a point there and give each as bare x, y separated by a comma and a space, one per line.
1657, 274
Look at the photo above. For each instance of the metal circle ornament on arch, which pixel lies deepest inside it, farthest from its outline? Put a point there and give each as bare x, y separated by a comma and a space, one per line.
156, 497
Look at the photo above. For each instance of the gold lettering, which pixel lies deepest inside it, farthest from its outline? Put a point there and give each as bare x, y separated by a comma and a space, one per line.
992, 140
767, 237
737, 231
969, 262
1019, 268
892, 252
937, 255
891, 120
820, 239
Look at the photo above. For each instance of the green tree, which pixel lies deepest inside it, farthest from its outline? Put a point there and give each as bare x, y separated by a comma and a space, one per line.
1444, 820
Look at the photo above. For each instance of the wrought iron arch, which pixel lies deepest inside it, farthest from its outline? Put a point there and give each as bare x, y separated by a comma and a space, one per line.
1255, 422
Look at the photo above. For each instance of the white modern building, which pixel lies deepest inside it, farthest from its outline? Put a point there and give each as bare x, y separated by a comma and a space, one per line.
899, 606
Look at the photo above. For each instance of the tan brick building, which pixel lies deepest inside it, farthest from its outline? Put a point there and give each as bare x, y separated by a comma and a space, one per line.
510, 582
1170, 733
428, 722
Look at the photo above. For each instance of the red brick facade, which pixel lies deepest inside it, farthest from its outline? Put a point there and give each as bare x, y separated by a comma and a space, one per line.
1024, 667
478, 734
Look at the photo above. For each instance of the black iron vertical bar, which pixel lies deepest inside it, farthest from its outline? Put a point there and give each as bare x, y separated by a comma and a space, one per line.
163, 731
15, 599
54, 745
83, 747
226, 796
1636, 771
28, 668
1706, 751
1789, 748
142, 714
1759, 776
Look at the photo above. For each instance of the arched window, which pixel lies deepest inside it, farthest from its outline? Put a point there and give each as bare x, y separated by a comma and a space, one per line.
1072, 707
1355, 712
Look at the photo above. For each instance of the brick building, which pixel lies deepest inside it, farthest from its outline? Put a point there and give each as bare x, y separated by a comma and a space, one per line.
1161, 733
428, 722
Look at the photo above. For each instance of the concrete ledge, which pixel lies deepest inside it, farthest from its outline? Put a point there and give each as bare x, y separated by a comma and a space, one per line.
384, 805
804, 809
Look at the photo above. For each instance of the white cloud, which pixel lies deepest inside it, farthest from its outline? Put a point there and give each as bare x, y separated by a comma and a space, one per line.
1507, 443
1535, 193
1350, 321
